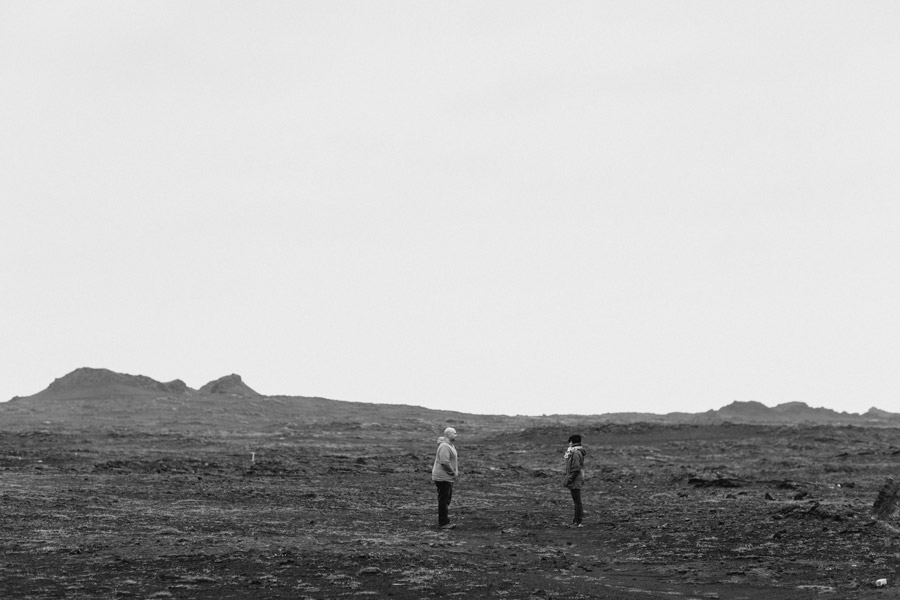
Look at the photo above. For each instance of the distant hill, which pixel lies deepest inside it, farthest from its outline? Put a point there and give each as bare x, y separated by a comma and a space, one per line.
88, 398
796, 412
93, 383
230, 384
757, 412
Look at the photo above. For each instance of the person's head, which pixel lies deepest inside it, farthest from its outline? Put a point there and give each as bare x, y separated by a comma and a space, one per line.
450, 433
575, 440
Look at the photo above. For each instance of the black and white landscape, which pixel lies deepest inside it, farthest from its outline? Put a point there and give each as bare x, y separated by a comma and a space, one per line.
120, 486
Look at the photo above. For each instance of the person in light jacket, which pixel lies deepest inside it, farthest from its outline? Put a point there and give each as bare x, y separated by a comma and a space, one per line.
444, 473
575, 474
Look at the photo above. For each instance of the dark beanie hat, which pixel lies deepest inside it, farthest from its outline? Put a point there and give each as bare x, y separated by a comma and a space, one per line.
575, 439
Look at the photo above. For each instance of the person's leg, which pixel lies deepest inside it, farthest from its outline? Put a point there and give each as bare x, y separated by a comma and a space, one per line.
579, 511
444, 491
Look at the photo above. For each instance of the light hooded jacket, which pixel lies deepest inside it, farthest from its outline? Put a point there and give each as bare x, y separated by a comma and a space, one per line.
575, 467
445, 459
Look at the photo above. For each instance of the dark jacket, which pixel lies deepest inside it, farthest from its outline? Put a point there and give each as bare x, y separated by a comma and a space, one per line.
575, 467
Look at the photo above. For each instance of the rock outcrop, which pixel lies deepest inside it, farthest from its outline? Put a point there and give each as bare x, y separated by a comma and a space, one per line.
231, 385
89, 382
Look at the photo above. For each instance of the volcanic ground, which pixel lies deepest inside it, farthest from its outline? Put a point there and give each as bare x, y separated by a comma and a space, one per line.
180, 493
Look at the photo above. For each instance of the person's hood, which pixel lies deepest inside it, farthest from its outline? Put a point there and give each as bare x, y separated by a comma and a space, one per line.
443, 440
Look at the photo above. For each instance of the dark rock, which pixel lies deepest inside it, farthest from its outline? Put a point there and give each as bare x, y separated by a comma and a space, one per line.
722, 482
230, 384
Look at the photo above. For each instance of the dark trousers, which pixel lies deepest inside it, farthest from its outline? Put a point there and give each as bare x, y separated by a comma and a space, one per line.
579, 510
445, 494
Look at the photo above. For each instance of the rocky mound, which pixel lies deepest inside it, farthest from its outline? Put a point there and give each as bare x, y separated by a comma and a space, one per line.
88, 382
877, 413
231, 385
750, 411
177, 386
793, 412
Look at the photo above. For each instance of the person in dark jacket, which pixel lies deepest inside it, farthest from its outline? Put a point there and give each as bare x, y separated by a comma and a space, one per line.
575, 474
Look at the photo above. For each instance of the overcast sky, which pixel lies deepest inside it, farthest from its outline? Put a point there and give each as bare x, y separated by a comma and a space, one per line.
493, 207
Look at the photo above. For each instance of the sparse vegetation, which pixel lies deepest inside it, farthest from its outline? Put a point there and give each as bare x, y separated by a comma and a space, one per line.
341, 505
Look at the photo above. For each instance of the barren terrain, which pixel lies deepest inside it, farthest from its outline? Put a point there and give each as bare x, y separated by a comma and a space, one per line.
344, 508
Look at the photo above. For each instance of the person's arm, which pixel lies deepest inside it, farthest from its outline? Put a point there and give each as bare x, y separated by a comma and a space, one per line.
578, 463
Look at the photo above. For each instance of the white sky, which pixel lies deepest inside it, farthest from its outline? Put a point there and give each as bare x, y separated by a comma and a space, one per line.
493, 207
